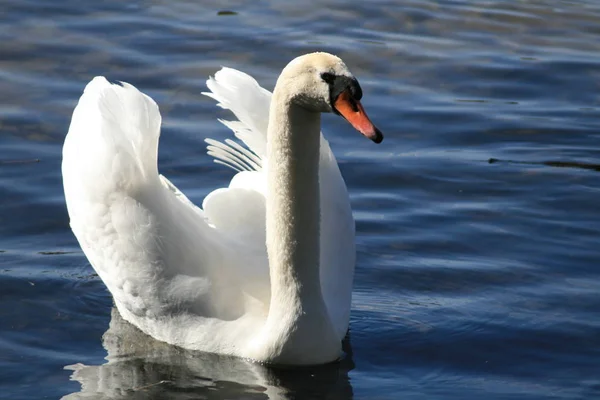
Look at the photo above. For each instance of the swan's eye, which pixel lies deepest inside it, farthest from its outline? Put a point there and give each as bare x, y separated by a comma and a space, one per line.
328, 77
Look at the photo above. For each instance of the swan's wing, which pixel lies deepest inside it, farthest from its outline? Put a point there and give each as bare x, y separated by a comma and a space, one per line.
172, 271
240, 93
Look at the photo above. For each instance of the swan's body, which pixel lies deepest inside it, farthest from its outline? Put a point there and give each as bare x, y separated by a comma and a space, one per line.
265, 269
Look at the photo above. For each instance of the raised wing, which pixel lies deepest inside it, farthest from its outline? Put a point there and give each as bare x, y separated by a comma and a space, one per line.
160, 256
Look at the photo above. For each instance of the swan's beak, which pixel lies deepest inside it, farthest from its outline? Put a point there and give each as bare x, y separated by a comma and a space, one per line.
353, 112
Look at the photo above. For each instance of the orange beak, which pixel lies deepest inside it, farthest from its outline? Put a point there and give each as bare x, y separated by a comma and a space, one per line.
353, 112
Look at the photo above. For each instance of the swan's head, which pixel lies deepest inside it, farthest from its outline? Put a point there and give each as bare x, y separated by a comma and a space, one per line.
321, 82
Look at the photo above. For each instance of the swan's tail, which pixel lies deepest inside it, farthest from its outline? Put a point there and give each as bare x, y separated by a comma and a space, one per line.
240, 93
112, 142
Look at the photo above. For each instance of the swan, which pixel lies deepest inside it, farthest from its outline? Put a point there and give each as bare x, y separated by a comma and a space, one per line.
264, 269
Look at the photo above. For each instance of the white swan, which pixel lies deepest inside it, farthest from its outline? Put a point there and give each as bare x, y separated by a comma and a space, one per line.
203, 279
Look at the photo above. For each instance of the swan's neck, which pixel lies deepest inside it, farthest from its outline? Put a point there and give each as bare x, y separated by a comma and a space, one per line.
298, 324
293, 209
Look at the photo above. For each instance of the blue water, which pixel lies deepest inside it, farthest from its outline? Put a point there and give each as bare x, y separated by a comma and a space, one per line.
477, 220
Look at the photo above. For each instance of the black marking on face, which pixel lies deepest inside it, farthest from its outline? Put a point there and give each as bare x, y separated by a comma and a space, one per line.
338, 84
328, 77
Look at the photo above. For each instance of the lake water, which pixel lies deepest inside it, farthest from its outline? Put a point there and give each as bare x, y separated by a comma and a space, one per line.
478, 271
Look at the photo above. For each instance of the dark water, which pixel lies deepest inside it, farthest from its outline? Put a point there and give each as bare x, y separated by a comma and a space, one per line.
477, 220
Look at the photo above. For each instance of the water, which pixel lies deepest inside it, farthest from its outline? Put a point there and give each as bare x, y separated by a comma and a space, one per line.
477, 222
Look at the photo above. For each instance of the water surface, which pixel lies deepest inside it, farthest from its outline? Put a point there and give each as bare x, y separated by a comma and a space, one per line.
477, 223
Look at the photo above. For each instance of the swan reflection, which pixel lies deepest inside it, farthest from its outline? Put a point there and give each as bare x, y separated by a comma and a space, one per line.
140, 367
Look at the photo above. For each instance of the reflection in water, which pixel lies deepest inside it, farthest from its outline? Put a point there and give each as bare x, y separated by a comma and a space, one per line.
141, 367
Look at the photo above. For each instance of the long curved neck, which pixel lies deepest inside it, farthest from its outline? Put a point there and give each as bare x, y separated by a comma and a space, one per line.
298, 329
293, 204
